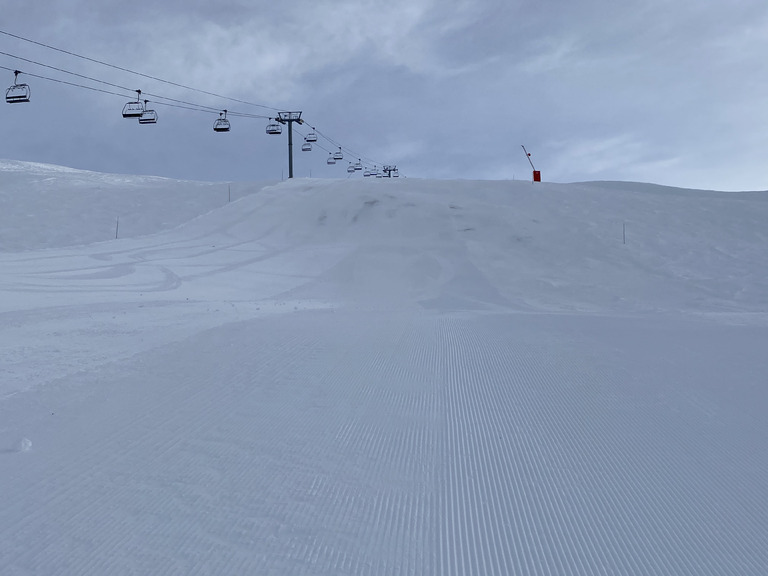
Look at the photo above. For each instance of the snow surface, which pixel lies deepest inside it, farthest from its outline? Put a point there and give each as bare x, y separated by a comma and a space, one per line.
377, 377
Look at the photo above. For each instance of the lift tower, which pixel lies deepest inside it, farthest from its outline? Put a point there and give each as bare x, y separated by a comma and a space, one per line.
289, 118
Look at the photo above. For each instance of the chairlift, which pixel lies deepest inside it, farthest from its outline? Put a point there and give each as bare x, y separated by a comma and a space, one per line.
134, 109
17, 92
331, 159
306, 147
367, 173
221, 124
358, 165
395, 173
274, 128
312, 136
338, 155
148, 116
351, 168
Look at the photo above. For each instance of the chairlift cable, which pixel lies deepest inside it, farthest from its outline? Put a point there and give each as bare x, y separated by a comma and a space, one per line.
200, 106
31, 75
351, 152
182, 104
247, 115
64, 71
188, 104
40, 77
95, 61
192, 107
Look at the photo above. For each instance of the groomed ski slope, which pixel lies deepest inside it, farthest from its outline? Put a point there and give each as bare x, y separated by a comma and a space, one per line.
381, 377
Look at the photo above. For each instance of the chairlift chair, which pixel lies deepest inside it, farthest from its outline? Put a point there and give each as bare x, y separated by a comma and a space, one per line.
18, 92
331, 159
358, 165
148, 116
311, 137
350, 168
306, 147
221, 124
274, 128
338, 155
367, 173
134, 109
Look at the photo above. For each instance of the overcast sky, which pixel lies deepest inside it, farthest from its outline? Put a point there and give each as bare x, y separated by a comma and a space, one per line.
665, 91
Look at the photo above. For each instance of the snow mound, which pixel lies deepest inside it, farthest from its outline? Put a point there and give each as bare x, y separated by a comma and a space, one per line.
381, 377
436, 244
47, 206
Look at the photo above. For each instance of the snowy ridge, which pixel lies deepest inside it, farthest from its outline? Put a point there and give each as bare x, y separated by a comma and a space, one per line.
385, 378
46, 206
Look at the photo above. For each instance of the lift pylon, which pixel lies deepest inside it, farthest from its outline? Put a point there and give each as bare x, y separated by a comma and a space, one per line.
289, 118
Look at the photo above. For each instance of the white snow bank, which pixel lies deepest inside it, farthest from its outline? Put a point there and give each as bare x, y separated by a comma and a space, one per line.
380, 377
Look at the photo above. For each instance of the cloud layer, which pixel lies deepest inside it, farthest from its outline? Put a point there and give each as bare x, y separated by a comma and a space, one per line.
660, 91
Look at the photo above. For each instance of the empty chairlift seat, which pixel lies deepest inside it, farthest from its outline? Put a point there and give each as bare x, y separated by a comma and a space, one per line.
18, 92
330, 160
338, 155
148, 117
221, 124
311, 137
274, 128
306, 147
134, 109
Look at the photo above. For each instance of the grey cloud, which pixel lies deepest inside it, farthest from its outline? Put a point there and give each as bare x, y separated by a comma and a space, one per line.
663, 91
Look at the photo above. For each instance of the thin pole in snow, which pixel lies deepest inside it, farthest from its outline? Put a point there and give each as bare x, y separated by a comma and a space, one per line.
624, 232
117, 226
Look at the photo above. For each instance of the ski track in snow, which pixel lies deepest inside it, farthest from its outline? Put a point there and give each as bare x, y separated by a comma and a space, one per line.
327, 380
434, 444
